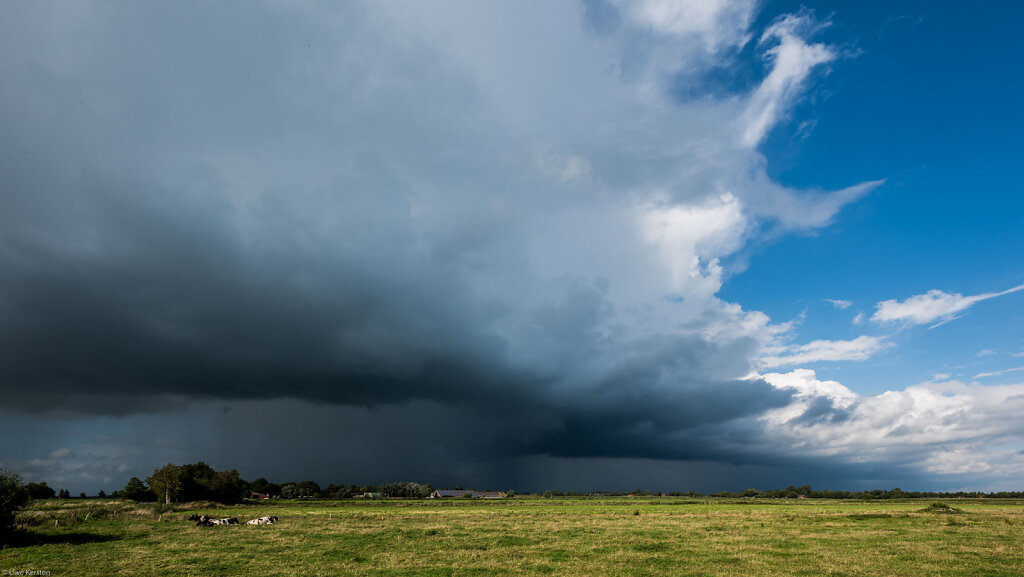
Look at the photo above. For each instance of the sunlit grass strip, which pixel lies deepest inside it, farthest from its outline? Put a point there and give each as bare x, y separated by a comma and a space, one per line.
529, 537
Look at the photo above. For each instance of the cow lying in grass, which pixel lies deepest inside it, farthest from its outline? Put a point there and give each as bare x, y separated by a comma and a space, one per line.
208, 521
263, 520
201, 520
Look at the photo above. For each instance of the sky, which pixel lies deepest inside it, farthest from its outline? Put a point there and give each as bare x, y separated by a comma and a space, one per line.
580, 245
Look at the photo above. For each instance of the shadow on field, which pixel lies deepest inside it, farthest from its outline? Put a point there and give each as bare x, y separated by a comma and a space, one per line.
32, 539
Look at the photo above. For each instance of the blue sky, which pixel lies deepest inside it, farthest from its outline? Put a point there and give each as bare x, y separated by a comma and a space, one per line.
928, 101
673, 244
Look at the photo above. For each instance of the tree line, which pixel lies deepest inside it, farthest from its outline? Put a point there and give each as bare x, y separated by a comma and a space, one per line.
200, 482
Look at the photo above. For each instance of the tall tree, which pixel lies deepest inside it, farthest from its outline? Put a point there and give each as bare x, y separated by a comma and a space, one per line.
308, 489
136, 490
167, 483
197, 482
228, 487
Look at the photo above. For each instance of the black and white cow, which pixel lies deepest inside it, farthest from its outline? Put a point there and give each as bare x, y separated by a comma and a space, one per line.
202, 520
208, 521
264, 520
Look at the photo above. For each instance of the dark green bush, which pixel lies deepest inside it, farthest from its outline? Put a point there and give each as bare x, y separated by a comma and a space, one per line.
40, 491
13, 496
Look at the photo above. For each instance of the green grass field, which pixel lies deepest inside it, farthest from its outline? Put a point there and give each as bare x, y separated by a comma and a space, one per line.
623, 536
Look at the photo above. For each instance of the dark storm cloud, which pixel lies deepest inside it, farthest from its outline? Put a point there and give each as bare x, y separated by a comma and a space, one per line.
362, 242
411, 264
239, 202
150, 312
117, 330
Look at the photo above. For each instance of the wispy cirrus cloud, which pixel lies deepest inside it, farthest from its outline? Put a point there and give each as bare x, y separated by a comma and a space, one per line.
793, 59
934, 306
858, 349
997, 373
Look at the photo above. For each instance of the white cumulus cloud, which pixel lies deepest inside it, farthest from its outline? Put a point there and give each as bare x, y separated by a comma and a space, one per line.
858, 349
717, 23
946, 428
935, 305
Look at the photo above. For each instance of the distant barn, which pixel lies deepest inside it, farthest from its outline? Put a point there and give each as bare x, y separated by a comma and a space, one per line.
258, 496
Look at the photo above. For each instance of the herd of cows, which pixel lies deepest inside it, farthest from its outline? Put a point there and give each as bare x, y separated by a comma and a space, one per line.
208, 521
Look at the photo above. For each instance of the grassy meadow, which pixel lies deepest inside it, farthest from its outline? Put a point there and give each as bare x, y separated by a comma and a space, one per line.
560, 536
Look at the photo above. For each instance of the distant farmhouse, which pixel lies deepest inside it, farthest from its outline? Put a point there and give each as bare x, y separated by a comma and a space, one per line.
258, 496
456, 493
